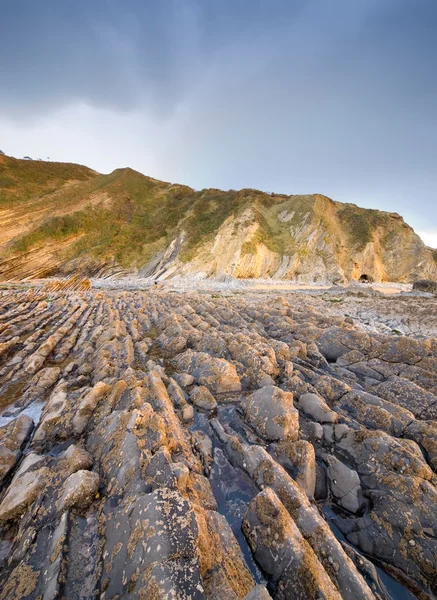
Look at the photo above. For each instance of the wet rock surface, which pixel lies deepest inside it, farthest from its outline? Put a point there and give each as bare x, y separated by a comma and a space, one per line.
189, 446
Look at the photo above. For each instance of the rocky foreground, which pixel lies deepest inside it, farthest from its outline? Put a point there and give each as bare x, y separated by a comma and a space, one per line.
165, 445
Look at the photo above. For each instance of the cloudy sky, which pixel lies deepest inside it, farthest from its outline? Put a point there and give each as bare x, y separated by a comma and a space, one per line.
296, 96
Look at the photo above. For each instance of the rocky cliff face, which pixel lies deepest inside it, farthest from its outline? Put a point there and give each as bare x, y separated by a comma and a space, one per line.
59, 219
309, 239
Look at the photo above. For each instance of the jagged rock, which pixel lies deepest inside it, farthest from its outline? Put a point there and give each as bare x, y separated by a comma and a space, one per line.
410, 396
176, 394
267, 473
78, 459
369, 572
424, 433
46, 378
157, 532
203, 445
54, 412
224, 571
88, 405
404, 502
123, 443
101, 366
374, 412
337, 341
159, 472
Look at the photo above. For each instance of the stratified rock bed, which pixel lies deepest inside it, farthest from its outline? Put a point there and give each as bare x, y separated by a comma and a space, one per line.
187, 446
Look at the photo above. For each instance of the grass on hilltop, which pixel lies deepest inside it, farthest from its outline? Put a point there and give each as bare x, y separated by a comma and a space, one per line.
24, 179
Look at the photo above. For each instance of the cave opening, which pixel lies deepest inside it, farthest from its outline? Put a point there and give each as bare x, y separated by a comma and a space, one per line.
364, 278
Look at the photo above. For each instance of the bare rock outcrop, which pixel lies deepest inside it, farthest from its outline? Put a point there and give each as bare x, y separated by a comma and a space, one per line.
216, 447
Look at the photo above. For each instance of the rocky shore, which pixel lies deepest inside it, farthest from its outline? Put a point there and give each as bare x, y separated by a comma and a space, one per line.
198, 445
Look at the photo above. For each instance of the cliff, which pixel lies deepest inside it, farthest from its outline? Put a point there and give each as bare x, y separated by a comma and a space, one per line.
58, 218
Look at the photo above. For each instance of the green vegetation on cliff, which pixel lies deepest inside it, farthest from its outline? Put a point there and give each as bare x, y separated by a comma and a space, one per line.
128, 218
360, 223
24, 179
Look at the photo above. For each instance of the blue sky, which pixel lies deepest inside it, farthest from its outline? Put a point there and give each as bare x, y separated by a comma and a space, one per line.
331, 96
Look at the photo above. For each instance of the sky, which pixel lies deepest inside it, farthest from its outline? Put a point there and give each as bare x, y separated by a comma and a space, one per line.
337, 97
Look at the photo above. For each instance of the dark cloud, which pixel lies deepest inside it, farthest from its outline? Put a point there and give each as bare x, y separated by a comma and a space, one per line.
142, 53
113, 53
298, 96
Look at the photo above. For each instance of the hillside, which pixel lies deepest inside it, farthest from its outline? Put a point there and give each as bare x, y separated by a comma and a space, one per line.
59, 218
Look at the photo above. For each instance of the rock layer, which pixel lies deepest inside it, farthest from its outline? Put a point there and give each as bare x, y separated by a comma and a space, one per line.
60, 219
159, 445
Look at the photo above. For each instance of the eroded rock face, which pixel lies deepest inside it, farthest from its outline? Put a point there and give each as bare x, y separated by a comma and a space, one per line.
323, 240
162, 423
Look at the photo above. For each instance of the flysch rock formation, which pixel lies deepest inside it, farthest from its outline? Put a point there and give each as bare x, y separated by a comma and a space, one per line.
61, 219
160, 445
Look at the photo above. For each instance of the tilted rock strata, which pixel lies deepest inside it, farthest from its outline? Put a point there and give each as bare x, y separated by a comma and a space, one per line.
189, 446
59, 219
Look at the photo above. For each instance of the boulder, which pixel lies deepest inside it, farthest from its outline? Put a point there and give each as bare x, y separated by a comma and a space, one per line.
336, 341
201, 397
345, 485
184, 379
187, 413
315, 407
217, 374
77, 458
259, 592
79, 490
22, 492
270, 411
